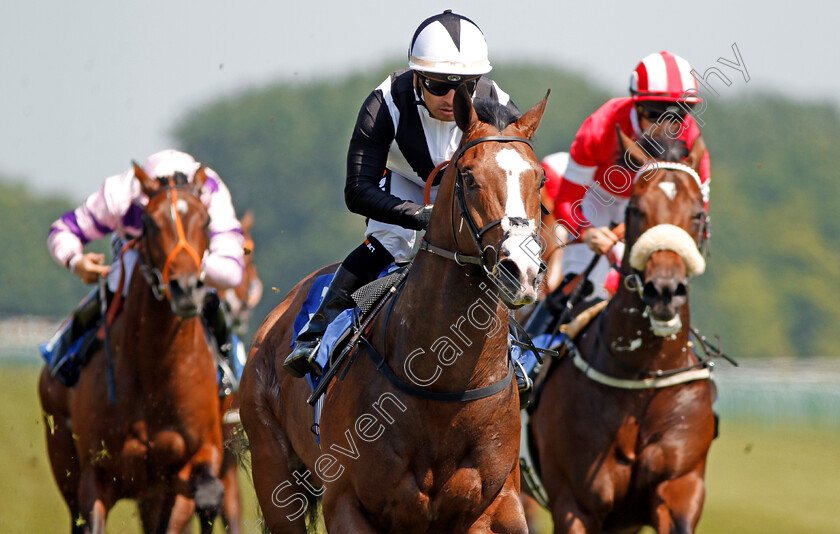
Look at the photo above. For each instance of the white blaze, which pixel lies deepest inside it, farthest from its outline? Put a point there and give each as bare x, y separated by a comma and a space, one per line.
520, 243
514, 165
670, 189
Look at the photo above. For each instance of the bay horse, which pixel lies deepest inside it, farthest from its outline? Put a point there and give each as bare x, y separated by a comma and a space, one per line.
405, 452
158, 438
624, 424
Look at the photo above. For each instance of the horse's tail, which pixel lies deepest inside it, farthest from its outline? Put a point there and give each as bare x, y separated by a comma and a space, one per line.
313, 513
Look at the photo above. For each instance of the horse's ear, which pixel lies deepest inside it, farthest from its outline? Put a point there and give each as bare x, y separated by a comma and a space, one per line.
148, 184
247, 221
463, 109
632, 150
695, 156
528, 123
199, 178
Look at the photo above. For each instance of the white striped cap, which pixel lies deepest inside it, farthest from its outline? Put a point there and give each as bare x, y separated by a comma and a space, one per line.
664, 76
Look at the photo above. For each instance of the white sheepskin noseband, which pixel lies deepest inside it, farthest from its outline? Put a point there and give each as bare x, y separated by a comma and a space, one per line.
667, 237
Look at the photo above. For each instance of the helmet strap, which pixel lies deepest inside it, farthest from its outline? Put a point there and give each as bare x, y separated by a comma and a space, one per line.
419, 99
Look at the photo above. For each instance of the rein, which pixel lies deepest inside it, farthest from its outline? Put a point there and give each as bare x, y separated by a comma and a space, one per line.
476, 233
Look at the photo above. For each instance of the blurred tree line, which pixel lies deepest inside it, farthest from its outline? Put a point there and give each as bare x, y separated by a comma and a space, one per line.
770, 288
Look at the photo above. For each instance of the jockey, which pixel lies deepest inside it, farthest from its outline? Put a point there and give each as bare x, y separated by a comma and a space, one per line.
589, 199
404, 130
116, 209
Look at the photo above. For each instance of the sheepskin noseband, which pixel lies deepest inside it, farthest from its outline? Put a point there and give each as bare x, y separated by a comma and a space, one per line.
667, 237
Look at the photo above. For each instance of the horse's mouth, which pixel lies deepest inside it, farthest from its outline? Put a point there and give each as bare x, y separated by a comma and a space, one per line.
665, 328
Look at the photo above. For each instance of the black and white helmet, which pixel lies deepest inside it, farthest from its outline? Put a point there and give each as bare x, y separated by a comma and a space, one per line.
449, 44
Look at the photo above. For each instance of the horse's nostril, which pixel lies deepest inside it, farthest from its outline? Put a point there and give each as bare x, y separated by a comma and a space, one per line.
681, 291
509, 271
649, 293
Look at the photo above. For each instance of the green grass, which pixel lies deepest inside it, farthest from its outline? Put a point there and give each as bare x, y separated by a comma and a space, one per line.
760, 479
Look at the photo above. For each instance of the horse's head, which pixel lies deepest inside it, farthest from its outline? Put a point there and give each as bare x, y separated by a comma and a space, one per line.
175, 238
665, 226
491, 196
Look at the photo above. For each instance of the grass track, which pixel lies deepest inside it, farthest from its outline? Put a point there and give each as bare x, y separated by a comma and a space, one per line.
760, 479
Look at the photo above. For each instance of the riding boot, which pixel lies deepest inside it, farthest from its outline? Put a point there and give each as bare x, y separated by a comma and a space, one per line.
338, 298
216, 318
66, 364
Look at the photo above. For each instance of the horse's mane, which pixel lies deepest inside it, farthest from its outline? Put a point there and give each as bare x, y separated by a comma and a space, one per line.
664, 148
493, 113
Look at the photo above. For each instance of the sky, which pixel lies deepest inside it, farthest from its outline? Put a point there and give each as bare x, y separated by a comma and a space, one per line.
88, 86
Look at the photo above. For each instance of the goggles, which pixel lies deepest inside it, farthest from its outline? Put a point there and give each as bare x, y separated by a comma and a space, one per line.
653, 110
438, 87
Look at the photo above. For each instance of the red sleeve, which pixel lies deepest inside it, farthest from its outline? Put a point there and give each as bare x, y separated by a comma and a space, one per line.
552, 181
585, 148
567, 208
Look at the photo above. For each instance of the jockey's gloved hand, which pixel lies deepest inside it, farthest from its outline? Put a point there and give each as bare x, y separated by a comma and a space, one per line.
421, 217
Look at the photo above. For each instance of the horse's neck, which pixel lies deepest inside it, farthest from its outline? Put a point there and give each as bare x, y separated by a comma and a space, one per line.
626, 332
457, 321
151, 333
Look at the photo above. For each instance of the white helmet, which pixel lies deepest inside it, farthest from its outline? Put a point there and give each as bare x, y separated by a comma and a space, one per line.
449, 44
167, 162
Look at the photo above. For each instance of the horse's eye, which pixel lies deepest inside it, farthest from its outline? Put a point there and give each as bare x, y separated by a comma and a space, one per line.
542, 180
469, 179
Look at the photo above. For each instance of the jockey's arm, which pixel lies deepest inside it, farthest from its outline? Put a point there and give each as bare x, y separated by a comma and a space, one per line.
366, 160
95, 218
224, 263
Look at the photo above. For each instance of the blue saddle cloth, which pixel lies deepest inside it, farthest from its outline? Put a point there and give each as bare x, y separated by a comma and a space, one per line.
341, 324
52, 351
339, 327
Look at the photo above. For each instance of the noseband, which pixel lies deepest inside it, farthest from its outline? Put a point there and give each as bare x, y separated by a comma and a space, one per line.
488, 256
159, 280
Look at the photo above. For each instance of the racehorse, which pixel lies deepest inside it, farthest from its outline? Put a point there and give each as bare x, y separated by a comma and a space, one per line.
623, 427
143, 422
240, 302
404, 452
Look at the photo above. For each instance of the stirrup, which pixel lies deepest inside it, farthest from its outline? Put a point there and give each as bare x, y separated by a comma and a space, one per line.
302, 360
524, 384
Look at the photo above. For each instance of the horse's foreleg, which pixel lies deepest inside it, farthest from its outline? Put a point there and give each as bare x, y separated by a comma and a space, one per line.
505, 514
93, 503
231, 509
343, 515
679, 504
567, 513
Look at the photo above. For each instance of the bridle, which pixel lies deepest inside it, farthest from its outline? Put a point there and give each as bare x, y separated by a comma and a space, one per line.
488, 255
159, 280
633, 280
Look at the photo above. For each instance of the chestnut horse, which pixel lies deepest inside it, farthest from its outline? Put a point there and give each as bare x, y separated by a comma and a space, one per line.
623, 426
159, 441
401, 451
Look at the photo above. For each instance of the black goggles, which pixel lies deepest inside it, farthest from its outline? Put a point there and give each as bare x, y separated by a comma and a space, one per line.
653, 110
442, 87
